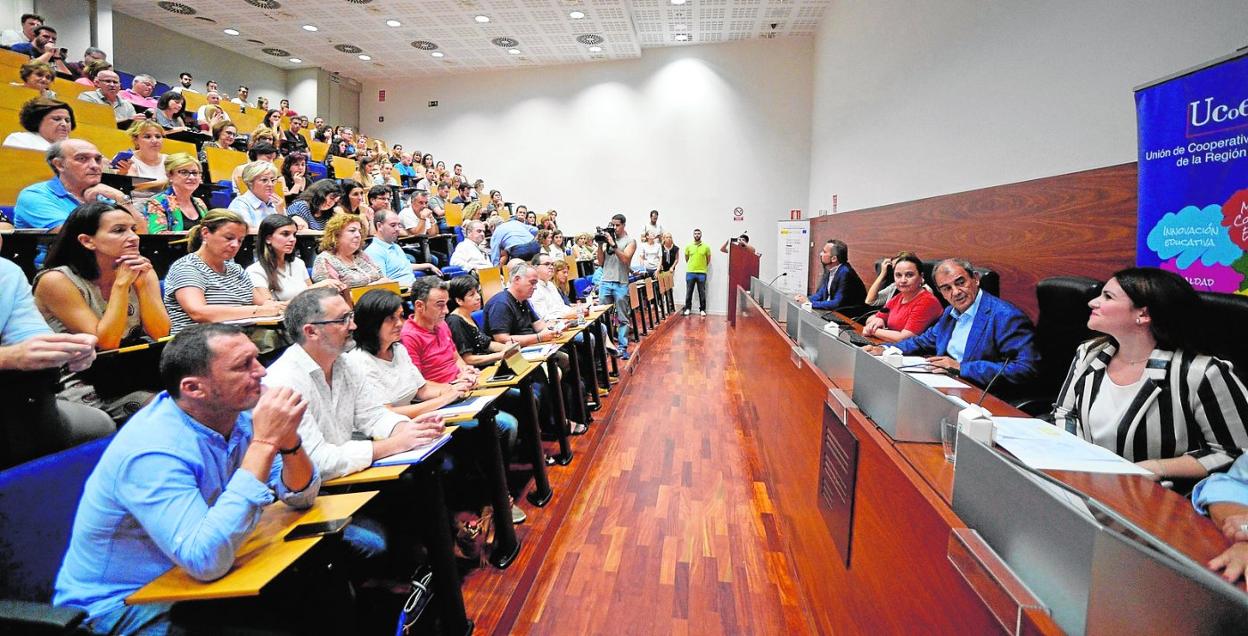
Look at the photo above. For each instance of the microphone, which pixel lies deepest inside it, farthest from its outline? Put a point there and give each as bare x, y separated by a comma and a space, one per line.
861, 316
975, 420
980, 403
777, 277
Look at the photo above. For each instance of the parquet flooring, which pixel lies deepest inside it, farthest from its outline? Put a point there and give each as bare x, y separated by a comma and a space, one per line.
670, 530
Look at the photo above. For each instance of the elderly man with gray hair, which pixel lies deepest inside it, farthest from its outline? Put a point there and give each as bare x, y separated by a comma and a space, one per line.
140, 92
469, 254
76, 167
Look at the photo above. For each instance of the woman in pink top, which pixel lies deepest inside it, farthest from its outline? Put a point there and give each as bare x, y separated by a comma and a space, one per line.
911, 310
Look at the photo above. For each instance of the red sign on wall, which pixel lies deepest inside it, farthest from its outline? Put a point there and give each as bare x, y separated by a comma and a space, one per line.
381, 95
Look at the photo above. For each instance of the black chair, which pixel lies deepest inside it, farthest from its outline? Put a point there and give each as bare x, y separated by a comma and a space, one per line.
1221, 317
1062, 326
28, 422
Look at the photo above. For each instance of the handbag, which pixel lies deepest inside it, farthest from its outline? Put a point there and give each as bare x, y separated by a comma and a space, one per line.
417, 601
474, 536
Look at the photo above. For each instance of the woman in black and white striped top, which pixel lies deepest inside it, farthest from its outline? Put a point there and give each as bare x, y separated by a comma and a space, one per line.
207, 285
1142, 392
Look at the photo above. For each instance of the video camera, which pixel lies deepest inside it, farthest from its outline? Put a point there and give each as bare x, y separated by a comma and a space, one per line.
600, 236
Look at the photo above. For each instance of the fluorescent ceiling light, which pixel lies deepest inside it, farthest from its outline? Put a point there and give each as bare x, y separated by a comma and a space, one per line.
514, 51
295, 60
365, 57
231, 31
393, 23
482, 19
438, 54
309, 27
576, 15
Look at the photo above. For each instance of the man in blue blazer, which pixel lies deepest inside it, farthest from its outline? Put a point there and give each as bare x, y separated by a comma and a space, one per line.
978, 334
839, 286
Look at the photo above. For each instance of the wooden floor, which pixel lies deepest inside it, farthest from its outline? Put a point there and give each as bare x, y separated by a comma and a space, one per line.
661, 525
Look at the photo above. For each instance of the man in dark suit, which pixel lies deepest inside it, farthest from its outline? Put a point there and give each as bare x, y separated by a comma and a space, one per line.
839, 286
978, 334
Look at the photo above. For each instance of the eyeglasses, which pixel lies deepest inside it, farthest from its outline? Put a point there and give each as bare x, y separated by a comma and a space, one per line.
266, 180
345, 319
188, 174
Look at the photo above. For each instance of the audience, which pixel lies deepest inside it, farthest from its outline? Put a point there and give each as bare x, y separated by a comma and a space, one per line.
697, 259
292, 141
92, 70
241, 99
386, 253
177, 209
352, 203
1112, 396
29, 22
839, 286
476, 348
76, 166
46, 121
911, 310
341, 256
38, 76
214, 101
207, 285
312, 209
107, 86
260, 199
427, 337
140, 92
223, 135
417, 218
95, 282
92, 54
511, 239
277, 271
184, 482
43, 48
184, 84
468, 254
168, 111
294, 176
148, 161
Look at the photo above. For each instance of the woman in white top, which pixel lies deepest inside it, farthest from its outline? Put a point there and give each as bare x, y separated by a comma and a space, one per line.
260, 199
45, 120
148, 160
37, 75
651, 254
277, 273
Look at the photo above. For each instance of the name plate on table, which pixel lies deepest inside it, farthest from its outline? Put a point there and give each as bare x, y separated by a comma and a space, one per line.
756, 289
876, 386
833, 356
838, 473
901, 405
792, 313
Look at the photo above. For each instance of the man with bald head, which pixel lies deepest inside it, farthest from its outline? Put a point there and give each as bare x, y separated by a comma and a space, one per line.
108, 92
76, 165
978, 335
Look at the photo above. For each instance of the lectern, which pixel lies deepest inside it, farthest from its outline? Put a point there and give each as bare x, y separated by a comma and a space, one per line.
742, 264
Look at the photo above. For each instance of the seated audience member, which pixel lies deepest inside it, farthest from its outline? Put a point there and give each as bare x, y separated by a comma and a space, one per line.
883, 288
671, 253
207, 285
292, 141
530, 218
548, 301
277, 271
260, 199
978, 335
546, 241
584, 249
341, 399
341, 257
427, 337
439, 199
94, 281
241, 99
46, 121
176, 209
38, 76
184, 482
468, 253
407, 173
839, 286
367, 172
312, 209
1224, 498
91, 71
496, 206
284, 107
107, 85
168, 111
386, 253
1143, 392
214, 99
911, 310
559, 244
185, 80
380, 197
29, 22
140, 92
148, 160
26, 344
478, 190
294, 176
386, 176
473, 346
320, 131
552, 219
92, 54
273, 121
417, 218
463, 198
511, 239
43, 48
77, 166
223, 135
353, 203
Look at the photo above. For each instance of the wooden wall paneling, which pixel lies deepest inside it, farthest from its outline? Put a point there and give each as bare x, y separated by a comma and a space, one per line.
1082, 223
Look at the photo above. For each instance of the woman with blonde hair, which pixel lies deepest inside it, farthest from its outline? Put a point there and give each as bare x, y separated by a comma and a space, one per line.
260, 199
342, 255
148, 160
175, 210
207, 285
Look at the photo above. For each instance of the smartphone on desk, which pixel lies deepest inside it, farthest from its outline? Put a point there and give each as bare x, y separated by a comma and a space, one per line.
317, 529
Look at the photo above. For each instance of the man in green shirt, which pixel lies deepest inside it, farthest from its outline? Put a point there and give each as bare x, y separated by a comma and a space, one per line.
697, 257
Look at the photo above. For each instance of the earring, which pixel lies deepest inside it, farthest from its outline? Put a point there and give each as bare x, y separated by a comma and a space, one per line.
1138, 320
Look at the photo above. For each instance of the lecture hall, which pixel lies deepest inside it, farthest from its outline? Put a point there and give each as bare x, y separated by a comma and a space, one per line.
623, 317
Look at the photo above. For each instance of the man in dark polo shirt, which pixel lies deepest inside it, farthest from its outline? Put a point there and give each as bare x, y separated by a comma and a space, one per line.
510, 318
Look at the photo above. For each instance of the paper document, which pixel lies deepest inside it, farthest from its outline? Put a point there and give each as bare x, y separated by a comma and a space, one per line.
939, 381
915, 364
252, 320
1043, 446
416, 455
466, 406
538, 353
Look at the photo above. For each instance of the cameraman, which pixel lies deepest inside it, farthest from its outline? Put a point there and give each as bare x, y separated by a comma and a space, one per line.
615, 253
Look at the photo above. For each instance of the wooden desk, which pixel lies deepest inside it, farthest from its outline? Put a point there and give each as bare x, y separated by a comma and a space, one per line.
261, 558
524, 381
900, 577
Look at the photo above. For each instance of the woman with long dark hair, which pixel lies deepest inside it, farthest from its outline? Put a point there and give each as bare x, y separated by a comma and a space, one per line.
315, 205
277, 271
294, 175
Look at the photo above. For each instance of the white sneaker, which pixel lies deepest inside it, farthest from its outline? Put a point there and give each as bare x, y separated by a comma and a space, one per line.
702, 313
685, 312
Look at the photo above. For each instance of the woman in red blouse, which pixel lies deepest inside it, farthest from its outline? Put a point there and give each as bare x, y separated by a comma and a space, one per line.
911, 310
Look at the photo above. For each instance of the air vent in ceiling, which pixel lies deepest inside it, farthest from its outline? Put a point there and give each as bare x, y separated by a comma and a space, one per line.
257, 42
265, 4
506, 43
208, 20
424, 45
589, 39
348, 48
276, 52
176, 7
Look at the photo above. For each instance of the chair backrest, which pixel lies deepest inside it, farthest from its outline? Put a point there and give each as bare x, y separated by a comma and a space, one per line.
454, 214
579, 285
1061, 326
222, 162
94, 114
478, 317
319, 150
491, 281
356, 292
38, 501
22, 167
1221, 316
634, 297
343, 168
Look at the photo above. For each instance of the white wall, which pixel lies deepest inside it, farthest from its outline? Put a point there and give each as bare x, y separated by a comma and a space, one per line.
143, 47
692, 132
913, 100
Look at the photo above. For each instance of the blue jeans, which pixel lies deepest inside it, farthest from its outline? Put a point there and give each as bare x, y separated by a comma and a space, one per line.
693, 280
148, 620
618, 293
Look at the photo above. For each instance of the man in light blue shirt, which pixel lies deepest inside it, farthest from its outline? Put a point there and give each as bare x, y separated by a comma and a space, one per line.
77, 165
962, 321
387, 254
184, 482
1224, 497
512, 239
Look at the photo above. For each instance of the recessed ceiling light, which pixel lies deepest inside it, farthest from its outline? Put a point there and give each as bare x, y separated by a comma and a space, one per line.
438, 54
295, 60
231, 31
309, 27
682, 27
482, 19
365, 57
576, 15
393, 23
595, 49
681, 37
514, 51
678, 2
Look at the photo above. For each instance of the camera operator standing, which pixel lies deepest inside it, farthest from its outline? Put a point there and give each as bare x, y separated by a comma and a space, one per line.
615, 253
